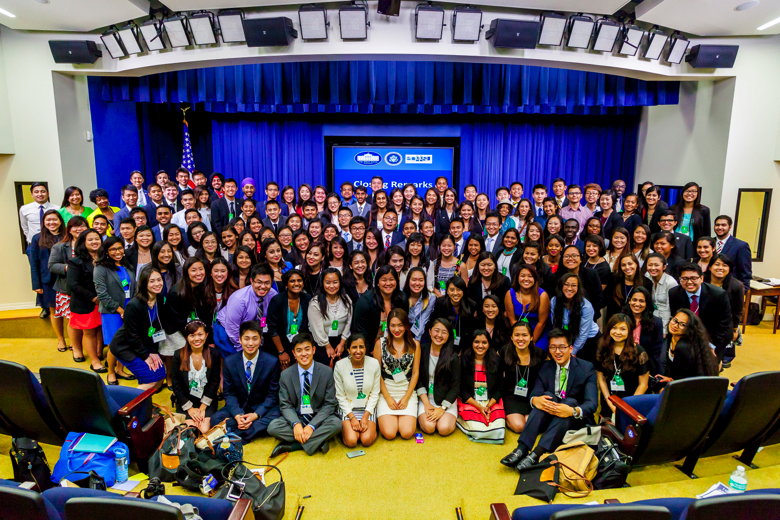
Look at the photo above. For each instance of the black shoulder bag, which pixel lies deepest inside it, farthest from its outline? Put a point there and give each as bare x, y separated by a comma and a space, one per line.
240, 482
29, 463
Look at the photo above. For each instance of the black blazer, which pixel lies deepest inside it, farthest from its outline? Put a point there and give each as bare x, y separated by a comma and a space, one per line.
736, 294
442, 222
220, 214
615, 305
739, 252
181, 381
446, 381
653, 221
581, 387
367, 316
263, 395
613, 221
132, 340
652, 340
82, 287
714, 312
631, 223
701, 223
276, 319
465, 325
475, 293
467, 378
684, 245
673, 264
683, 365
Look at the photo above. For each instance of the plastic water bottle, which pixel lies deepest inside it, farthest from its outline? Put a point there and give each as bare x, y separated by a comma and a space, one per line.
120, 457
738, 480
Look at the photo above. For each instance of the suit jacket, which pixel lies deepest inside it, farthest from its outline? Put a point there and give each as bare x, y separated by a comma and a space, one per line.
357, 213
351, 247
493, 379
739, 252
220, 214
82, 285
581, 386
714, 312
261, 208
631, 223
396, 237
613, 221
110, 292
322, 393
262, 395
122, 204
58, 262
157, 232
39, 263
151, 211
684, 245
701, 224
497, 246
652, 340
442, 222
445, 389
124, 213
280, 223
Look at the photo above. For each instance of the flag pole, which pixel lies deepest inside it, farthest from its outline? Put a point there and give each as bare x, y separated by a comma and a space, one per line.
184, 113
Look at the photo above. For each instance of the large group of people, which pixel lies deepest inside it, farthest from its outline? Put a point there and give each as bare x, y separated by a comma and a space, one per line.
366, 312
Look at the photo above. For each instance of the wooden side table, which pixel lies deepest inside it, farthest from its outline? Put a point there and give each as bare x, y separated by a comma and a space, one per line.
760, 289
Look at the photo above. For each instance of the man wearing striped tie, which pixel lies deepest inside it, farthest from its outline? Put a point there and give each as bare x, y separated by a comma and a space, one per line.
307, 398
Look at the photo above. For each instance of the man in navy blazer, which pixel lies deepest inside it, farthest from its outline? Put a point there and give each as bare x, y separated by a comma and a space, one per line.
360, 206
251, 387
228, 205
734, 248
565, 397
390, 234
164, 216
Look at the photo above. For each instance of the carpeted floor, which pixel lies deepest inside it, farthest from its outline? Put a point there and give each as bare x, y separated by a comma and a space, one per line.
405, 480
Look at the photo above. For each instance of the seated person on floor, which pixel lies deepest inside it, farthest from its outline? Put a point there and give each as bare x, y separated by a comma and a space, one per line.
251, 386
564, 398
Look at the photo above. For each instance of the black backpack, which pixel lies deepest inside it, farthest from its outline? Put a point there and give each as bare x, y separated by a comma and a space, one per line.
29, 463
614, 466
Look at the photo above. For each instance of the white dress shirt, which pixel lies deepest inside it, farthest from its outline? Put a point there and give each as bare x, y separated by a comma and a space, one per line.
30, 217
178, 219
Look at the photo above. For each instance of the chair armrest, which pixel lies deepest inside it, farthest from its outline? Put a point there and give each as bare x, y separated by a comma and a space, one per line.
130, 407
242, 510
626, 409
132, 494
32, 486
499, 511
611, 501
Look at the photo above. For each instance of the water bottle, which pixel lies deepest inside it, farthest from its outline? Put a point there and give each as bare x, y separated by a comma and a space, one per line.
120, 458
738, 480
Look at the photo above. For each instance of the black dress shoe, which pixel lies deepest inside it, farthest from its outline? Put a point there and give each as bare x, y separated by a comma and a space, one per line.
101, 370
286, 447
79, 359
112, 383
44, 313
131, 377
726, 364
516, 456
529, 460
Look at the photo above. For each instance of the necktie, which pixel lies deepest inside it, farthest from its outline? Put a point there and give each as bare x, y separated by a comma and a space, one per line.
248, 373
562, 382
307, 417
539, 212
260, 311
695, 304
275, 228
232, 208
41, 211
489, 245
719, 247
359, 246
457, 250
387, 241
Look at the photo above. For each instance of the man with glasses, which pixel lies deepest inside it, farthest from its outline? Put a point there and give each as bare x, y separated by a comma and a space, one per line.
668, 221
574, 210
564, 397
619, 187
247, 304
709, 303
357, 229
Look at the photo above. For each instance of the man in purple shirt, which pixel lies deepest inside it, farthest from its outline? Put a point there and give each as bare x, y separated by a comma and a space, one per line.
247, 304
579, 213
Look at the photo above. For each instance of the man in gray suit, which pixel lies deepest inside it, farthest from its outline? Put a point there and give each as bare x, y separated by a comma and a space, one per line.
361, 207
307, 398
274, 220
493, 239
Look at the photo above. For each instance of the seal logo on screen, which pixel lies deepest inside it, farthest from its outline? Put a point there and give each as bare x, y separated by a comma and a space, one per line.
368, 158
393, 158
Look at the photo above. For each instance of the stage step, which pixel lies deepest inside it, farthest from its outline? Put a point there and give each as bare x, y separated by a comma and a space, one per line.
25, 324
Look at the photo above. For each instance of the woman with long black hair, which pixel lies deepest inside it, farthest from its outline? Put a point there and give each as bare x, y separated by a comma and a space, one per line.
330, 317
456, 307
480, 407
421, 301
693, 217
521, 360
357, 277
313, 266
43, 280
487, 280
439, 382
648, 329
373, 307
173, 235
526, 301
571, 311
84, 312
688, 351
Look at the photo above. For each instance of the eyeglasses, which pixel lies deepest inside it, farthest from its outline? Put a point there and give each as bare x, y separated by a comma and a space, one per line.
686, 279
666, 220
681, 324
570, 286
691, 192
571, 257
557, 349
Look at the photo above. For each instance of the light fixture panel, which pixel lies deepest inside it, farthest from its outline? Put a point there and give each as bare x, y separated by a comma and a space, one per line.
429, 22
153, 35
466, 24
632, 39
580, 32
607, 33
202, 28
231, 26
656, 41
314, 22
553, 27
677, 47
129, 36
113, 45
353, 22
176, 29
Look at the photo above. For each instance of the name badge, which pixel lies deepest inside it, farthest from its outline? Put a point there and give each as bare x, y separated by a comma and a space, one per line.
455, 337
430, 388
157, 337
334, 329
263, 324
399, 376
522, 388
481, 394
617, 384
293, 332
127, 293
384, 326
442, 285
360, 401
503, 271
306, 408
195, 389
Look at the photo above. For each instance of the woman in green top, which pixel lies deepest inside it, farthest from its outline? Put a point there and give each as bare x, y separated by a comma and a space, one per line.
72, 204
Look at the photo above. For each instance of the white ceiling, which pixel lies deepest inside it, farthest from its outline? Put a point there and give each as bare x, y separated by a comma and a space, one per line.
710, 17
699, 17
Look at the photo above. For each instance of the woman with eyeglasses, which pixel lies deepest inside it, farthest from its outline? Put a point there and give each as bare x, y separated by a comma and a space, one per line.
693, 217
571, 262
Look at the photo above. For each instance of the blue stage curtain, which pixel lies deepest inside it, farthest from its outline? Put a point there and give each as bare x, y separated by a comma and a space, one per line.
393, 87
288, 152
537, 150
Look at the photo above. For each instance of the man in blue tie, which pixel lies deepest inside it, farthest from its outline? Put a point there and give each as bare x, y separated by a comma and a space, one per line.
539, 194
251, 387
307, 398
357, 230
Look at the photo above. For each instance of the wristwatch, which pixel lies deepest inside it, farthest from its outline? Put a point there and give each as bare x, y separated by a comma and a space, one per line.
577, 412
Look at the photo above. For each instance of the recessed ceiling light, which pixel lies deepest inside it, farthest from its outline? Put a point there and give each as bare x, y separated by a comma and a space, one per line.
769, 24
9, 15
42, 1
747, 5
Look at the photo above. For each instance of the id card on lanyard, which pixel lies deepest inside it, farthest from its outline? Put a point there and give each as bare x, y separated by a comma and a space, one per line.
617, 384
521, 389
156, 335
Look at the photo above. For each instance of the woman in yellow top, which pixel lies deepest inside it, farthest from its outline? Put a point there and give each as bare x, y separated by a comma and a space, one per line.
99, 197
72, 204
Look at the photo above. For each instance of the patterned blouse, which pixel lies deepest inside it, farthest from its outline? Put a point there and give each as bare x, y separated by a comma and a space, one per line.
390, 363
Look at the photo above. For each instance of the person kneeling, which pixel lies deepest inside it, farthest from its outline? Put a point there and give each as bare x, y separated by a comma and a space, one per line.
251, 387
565, 397
357, 391
307, 397
439, 381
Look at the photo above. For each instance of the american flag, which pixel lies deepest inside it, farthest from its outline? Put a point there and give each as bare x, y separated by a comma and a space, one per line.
187, 159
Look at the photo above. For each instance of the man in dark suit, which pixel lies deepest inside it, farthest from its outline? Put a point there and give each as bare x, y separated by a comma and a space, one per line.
130, 198
357, 230
559, 189
272, 194
307, 397
377, 183
274, 220
571, 229
164, 216
360, 206
171, 197
709, 303
390, 234
226, 208
493, 239
565, 397
668, 222
251, 387
734, 248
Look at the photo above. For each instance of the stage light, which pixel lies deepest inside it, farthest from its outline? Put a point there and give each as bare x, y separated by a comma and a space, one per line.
231, 25
428, 22
466, 24
113, 44
176, 29
553, 27
607, 33
580, 31
677, 47
151, 30
129, 37
203, 28
314, 22
631, 39
656, 41
353, 21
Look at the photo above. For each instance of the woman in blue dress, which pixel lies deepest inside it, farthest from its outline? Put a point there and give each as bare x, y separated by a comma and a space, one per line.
528, 302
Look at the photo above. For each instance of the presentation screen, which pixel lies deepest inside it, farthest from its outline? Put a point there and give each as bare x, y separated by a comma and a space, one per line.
397, 165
